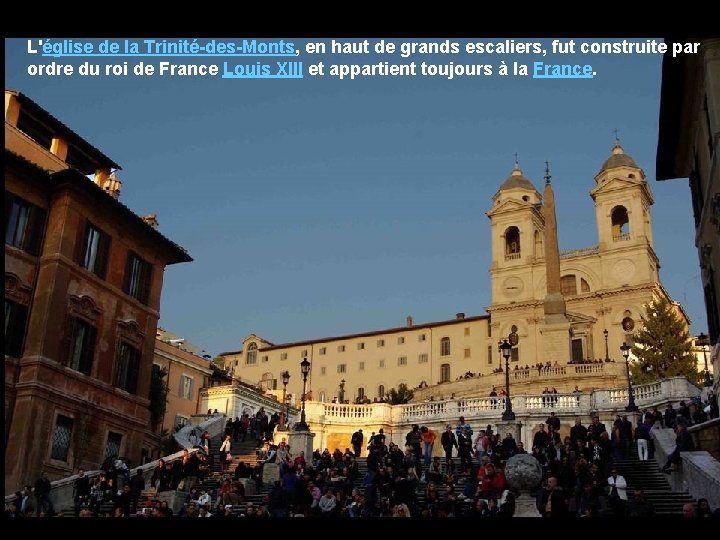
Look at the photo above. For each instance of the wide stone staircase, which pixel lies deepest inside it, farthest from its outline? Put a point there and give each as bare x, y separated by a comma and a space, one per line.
647, 475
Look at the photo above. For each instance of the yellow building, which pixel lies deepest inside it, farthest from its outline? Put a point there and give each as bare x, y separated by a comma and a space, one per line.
574, 306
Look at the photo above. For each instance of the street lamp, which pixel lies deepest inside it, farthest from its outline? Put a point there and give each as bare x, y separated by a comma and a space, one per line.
507, 414
703, 340
342, 391
304, 369
625, 348
285, 380
607, 353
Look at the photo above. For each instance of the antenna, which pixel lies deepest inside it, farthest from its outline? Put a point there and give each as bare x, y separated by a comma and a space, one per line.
547, 172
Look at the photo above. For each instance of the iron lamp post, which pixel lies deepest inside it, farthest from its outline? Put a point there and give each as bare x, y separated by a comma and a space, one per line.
285, 381
304, 369
625, 348
704, 340
508, 413
607, 352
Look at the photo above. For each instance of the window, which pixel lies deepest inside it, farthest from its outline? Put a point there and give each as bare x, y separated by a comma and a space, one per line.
423, 358
112, 446
568, 285
24, 224
620, 223
128, 366
381, 391
61, 438
515, 354
82, 345
490, 355
361, 366
181, 420
15, 322
401, 340
466, 353
251, 357
402, 361
138, 273
341, 348
538, 240
467, 331
360, 346
380, 342
445, 346
342, 368
512, 243
577, 350
421, 337
186, 387
265, 358
304, 353
283, 356
361, 394
323, 350
323, 370
445, 373
95, 250
381, 364
489, 333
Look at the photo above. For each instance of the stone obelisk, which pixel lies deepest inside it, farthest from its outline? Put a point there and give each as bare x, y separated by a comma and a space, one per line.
556, 326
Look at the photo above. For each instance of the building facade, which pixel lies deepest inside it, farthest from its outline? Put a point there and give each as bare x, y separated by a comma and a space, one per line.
83, 277
688, 142
599, 295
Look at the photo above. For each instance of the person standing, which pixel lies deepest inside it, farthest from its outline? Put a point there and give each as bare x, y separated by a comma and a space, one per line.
356, 441
642, 436
82, 491
225, 449
448, 441
617, 492
427, 436
42, 495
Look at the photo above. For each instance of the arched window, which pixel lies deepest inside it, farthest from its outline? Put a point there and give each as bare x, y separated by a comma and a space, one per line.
445, 346
381, 391
361, 394
568, 285
445, 373
268, 382
251, 357
512, 243
620, 223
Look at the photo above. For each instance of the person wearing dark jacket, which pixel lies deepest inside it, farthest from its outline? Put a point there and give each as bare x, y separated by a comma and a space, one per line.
683, 443
82, 491
448, 440
42, 495
552, 500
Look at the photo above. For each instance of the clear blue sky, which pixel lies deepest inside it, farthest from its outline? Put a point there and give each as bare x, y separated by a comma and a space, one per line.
319, 207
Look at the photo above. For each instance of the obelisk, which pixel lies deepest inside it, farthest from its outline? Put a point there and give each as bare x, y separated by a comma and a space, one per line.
556, 326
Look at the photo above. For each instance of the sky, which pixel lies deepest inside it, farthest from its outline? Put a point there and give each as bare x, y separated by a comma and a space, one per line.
317, 207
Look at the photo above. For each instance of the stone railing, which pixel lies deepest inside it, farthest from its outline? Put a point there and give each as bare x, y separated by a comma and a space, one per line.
61, 492
334, 422
587, 368
234, 399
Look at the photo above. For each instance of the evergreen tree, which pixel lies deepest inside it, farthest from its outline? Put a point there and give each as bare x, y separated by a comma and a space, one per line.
401, 395
662, 346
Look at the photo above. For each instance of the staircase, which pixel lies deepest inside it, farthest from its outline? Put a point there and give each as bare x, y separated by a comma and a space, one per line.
647, 475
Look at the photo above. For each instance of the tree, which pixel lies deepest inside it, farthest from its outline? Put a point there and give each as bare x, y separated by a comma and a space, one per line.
662, 346
401, 395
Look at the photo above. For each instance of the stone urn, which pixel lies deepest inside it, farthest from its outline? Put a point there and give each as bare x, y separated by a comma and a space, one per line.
523, 473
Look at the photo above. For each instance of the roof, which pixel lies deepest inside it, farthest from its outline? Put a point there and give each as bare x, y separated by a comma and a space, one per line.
517, 180
618, 159
177, 254
367, 334
100, 159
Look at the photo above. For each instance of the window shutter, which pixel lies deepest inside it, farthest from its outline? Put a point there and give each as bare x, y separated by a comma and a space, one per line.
82, 233
15, 333
190, 394
36, 228
180, 385
102, 256
86, 361
146, 277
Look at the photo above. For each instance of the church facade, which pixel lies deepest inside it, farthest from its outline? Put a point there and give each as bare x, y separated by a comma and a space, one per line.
563, 307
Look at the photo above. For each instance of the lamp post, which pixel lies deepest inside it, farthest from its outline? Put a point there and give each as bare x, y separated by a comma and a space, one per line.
607, 352
704, 340
285, 380
342, 391
507, 414
625, 348
304, 369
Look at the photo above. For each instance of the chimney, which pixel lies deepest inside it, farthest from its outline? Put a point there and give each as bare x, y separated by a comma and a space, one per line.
408, 321
151, 219
459, 316
110, 183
